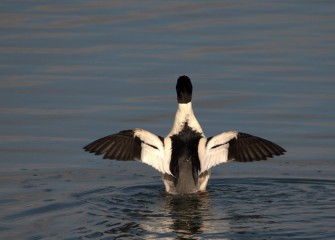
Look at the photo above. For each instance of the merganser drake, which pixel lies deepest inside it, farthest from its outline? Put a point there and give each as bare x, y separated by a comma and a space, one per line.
185, 156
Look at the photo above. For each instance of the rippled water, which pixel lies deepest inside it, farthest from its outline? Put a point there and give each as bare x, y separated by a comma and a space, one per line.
71, 72
231, 209
248, 208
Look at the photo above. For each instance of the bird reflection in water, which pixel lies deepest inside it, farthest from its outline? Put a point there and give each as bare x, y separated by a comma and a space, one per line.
188, 213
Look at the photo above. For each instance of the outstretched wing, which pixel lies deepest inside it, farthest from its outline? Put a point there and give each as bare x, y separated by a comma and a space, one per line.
241, 147
136, 144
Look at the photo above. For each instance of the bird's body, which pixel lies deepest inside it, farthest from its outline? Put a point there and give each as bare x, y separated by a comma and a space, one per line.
185, 156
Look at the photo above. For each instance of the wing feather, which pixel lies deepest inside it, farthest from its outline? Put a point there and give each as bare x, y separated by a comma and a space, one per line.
136, 144
232, 145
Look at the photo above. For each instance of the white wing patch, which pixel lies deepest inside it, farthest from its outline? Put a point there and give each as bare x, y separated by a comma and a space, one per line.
153, 151
215, 150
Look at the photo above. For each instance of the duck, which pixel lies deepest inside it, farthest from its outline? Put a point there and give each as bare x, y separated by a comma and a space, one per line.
185, 156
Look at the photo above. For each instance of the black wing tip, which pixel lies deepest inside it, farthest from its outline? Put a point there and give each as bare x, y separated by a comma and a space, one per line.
89, 148
92, 151
86, 148
249, 148
123, 145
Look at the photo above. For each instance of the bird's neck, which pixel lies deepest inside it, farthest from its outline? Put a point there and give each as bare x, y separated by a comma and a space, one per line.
185, 115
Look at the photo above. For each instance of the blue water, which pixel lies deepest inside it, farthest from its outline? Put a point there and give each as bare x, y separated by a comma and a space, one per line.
71, 72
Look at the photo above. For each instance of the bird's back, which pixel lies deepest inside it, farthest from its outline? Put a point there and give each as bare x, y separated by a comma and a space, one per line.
185, 163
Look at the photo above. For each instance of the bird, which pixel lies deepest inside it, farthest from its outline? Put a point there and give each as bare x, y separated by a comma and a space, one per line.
185, 156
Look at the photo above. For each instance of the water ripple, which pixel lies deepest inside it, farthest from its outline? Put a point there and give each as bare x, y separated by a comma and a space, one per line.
231, 209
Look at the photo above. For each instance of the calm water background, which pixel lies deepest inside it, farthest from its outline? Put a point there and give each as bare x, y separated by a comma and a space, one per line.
71, 72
